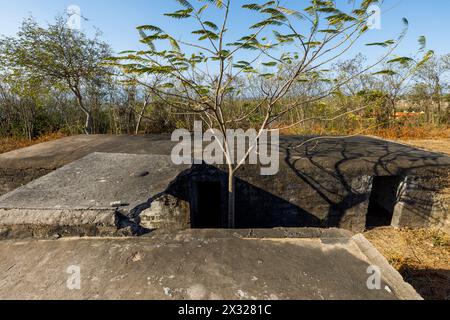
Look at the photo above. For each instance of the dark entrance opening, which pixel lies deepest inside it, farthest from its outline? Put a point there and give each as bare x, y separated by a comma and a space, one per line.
208, 209
382, 203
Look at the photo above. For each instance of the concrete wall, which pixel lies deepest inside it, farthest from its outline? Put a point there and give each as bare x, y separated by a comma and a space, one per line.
422, 203
312, 200
166, 212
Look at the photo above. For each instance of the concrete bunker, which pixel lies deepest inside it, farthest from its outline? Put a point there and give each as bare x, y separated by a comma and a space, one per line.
352, 184
198, 199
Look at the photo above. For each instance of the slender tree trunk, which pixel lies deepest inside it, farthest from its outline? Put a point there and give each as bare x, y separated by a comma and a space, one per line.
231, 200
89, 125
447, 114
140, 116
29, 131
428, 112
439, 108
437, 97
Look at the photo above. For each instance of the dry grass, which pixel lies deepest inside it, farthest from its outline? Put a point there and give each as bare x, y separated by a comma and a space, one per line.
441, 145
10, 144
422, 256
404, 131
413, 132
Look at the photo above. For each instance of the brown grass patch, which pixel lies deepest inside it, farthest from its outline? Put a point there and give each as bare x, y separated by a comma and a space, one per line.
10, 144
413, 132
441, 145
422, 256
404, 131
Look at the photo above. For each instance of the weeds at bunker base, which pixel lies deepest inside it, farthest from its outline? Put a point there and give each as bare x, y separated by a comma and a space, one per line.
243, 147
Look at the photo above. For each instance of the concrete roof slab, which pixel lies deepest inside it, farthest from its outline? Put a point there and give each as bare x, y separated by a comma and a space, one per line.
190, 266
98, 181
90, 191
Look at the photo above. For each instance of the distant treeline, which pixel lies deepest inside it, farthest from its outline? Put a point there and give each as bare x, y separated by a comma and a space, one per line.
54, 79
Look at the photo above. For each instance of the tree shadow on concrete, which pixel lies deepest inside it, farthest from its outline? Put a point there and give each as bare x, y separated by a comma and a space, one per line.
333, 169
255, 207
326, 183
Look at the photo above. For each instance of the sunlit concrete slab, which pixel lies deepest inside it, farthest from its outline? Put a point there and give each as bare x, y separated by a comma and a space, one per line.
96, 192
57, 153
209, 264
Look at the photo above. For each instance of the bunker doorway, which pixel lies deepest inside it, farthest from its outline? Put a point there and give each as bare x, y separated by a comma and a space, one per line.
383, 199
208, 209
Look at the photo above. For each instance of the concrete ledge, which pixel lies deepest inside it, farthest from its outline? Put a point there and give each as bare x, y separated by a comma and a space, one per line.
45, 232
276, 233
135, 180
41, 223
187, 266
55, 217
402, 289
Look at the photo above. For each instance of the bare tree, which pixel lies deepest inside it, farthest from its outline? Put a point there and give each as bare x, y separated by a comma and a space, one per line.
62, 56
397, 75
285, 49
432, 74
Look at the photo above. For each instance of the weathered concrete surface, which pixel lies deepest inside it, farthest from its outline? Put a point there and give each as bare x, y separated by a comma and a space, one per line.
97, 190
55, 154
352, 154
197, 265
11, 179
335, 177
21, 166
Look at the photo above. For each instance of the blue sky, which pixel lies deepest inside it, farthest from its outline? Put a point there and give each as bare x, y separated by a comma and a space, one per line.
117, 20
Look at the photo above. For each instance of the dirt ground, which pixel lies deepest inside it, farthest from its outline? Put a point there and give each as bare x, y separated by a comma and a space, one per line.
11, 179
421, 256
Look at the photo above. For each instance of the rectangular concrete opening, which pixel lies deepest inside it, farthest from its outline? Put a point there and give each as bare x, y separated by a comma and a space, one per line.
383, 200
209, 205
